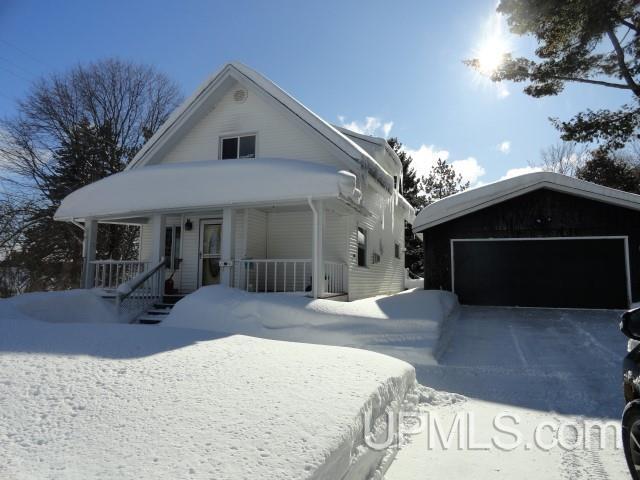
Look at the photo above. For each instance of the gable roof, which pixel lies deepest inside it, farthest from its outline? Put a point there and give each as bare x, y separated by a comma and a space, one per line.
353, 155
475, 199
377, 141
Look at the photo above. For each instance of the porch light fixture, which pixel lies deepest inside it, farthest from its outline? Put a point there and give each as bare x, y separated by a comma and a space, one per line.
188, 225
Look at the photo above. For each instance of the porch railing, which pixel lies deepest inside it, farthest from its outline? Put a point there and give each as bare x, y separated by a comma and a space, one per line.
109, 274
286, 275
335, 277
141, 292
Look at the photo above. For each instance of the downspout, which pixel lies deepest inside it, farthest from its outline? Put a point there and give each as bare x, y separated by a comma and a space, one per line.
314, 254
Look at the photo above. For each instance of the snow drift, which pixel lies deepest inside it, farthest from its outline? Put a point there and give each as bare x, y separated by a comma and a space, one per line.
129, 401
60, 307
383, 323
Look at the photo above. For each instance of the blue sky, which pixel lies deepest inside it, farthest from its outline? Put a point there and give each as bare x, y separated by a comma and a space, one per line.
398, 62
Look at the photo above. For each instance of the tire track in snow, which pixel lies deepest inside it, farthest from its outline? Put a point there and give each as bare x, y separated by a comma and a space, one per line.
516, 344
609, 356
585, 462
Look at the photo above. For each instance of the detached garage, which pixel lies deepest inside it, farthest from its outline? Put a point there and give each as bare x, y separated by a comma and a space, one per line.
537, 240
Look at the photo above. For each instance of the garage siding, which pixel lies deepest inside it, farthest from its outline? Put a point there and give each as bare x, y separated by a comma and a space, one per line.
542, 213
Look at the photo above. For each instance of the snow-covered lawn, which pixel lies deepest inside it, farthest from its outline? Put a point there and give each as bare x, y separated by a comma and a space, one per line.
129, 401
411, 325
198, 398
556, 366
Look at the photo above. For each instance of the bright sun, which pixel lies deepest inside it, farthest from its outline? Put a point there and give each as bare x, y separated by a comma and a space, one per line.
492, 47
490, 55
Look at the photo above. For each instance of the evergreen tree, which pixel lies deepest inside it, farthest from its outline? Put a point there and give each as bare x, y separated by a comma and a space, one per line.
593, 42
412, 192
610, 171
441, 182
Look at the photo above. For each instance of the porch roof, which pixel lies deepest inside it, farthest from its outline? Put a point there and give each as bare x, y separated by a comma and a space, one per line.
216, 183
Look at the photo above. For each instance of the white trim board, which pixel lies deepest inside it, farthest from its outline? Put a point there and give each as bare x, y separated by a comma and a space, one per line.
625, 239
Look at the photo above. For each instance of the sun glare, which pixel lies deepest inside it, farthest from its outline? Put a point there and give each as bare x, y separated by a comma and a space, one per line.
492, 47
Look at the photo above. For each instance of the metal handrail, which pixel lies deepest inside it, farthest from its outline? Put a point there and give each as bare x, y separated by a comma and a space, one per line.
127, 288
153, 279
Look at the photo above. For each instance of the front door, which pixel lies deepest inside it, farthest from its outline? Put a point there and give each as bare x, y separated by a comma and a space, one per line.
210, 244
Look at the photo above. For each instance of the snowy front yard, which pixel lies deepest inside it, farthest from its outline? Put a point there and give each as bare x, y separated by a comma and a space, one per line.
101, 400
198, 398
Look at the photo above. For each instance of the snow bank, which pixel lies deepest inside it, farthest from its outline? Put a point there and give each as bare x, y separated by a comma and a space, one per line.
60, 307
384, 323
129, 401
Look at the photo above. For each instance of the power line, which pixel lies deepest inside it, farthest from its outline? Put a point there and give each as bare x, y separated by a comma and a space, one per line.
15, 65
8, 70
25, 53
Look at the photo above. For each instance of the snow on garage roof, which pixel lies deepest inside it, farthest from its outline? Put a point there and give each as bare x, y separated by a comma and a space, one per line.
163, 188
478, 198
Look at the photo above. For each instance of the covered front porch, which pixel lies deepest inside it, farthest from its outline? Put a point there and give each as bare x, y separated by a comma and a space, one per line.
296, 248
263, 225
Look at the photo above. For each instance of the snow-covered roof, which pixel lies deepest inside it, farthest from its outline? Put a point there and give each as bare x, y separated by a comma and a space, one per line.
244, 74
379, 141
173, 187
478, 198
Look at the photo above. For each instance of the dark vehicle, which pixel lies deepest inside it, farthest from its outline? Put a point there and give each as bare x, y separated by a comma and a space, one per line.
630, 326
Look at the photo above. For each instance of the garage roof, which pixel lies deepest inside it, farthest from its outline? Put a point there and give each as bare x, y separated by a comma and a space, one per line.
478, 198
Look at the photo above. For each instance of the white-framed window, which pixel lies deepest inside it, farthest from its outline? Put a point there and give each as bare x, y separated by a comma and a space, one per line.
397, 250
362, 247
238, 146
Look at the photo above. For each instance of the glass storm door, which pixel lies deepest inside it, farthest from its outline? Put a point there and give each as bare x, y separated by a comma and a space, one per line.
210, 243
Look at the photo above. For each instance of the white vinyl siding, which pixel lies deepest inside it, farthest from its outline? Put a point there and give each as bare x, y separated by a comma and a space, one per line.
278, 135
384, 277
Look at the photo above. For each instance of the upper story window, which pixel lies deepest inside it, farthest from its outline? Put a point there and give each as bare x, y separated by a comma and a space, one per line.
242, 146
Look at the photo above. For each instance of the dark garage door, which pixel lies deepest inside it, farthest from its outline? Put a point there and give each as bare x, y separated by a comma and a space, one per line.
579, 273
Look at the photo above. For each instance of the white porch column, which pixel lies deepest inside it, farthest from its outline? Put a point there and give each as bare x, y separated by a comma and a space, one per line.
89, 252
227, 247
158, 237
158, 225
317, 252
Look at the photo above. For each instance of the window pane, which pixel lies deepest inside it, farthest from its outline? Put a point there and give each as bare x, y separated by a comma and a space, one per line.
229, 148
362, 248
248, 147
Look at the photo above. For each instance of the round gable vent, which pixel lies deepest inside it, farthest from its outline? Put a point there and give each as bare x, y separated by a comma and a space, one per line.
240, 95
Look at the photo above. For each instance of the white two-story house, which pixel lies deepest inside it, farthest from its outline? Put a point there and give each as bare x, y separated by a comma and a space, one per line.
245, 186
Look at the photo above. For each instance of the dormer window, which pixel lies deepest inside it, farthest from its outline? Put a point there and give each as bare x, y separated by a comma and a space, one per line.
238, 146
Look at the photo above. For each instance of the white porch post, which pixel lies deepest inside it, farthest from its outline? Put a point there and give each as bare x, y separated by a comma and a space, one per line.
158, 226
89, 252
227, 247
317, 256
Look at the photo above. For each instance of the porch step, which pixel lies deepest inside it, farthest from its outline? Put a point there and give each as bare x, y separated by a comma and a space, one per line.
160, 310
150, 319
172, 299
